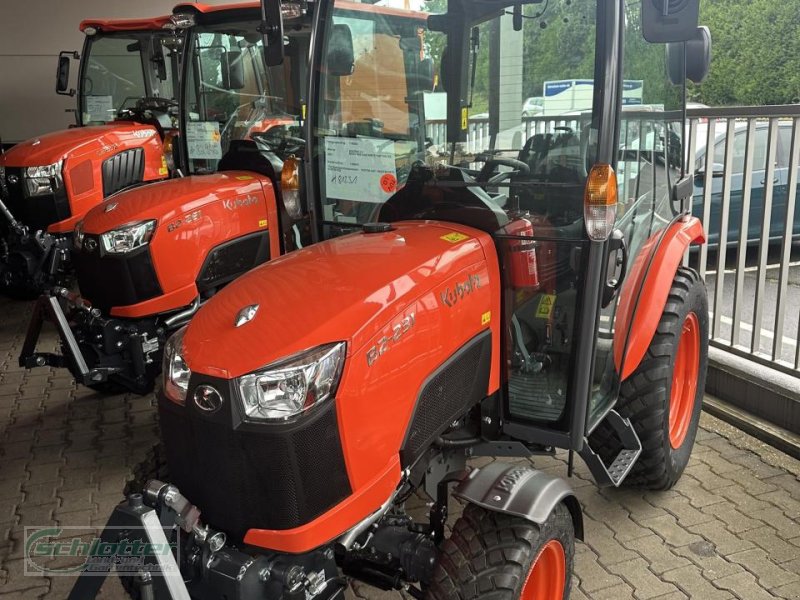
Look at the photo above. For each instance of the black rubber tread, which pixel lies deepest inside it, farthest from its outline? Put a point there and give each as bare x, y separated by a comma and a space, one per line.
154, 466
489, 554
644, 396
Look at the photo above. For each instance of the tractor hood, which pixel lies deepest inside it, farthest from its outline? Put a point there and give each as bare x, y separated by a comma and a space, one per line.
167, 200
343, 289
52, 147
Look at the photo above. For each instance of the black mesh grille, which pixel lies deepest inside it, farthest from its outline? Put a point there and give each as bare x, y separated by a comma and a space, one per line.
266, 476
38, 212
114, 280
458, 384
229, 260
123, 170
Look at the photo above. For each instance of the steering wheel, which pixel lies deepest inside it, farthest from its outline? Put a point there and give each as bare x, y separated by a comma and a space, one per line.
282, 145
487, 175
145, 103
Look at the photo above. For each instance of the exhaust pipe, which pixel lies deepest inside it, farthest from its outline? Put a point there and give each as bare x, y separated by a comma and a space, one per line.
183, 316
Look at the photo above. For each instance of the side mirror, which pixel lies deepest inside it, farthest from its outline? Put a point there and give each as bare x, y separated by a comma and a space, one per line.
272, 29
426, 75
443, 75
232, 70
694, 55
718, 171
62, 73
666, 21
341, 56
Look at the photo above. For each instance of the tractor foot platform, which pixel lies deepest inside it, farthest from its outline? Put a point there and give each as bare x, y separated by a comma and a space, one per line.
613, 472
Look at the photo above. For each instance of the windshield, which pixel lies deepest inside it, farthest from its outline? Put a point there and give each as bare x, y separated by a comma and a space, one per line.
232, 95
122, 68
391, 112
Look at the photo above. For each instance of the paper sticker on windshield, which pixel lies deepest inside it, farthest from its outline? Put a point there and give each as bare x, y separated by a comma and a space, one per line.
360, 169
203, 140
100, 108
546, 304
454, 237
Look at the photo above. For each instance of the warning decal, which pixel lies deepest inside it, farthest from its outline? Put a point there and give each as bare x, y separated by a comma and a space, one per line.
454, 237
546, 304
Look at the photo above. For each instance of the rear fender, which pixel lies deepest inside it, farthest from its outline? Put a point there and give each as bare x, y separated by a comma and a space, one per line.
645, 291
520, 491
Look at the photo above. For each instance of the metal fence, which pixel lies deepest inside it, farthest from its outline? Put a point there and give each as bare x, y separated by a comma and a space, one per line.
746, 196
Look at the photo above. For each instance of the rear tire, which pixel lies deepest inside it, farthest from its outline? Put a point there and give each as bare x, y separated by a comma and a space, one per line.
494, 556
664, 395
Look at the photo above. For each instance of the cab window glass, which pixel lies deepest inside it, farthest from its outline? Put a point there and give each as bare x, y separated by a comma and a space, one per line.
113, 75
231, 95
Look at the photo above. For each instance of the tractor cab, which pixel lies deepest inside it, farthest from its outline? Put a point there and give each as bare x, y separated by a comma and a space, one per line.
233, 99
126, 120
456, 148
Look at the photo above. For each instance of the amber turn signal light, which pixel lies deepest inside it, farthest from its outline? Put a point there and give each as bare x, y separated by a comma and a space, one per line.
290, 187
600, 202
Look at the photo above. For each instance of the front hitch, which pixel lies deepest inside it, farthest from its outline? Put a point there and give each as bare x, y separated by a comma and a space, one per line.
200, 563
48, 307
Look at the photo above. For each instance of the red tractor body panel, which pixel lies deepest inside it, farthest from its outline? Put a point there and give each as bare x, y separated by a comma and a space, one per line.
645, 290
84, 150
193, 214
107, 25
404, 301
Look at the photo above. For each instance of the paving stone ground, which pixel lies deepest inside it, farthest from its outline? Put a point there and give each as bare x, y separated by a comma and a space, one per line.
729, 529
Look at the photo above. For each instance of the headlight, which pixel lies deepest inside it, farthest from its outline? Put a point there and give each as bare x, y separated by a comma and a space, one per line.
127, 238
77, 236
43, 180
292, 386
176, 371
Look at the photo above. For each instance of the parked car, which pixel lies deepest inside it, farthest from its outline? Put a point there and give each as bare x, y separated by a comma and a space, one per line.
533, 106
755, 214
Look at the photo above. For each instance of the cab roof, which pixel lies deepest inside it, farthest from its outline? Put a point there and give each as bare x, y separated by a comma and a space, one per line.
155, 23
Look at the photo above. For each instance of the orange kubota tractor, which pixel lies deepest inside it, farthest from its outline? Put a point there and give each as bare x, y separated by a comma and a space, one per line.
148, 258
126, 117
497, 299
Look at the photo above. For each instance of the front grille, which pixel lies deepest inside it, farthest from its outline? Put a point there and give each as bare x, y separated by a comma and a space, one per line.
123, 170
253, 476
461, 382
38, 212
229, 260
108, 280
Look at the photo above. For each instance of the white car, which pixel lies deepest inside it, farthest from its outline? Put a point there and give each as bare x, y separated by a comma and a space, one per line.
533, 106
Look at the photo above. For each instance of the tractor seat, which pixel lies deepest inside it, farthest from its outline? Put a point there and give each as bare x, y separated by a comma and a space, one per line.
248, 155
420, 199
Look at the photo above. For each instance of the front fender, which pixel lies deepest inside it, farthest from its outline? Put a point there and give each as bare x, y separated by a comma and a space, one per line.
520, 491
645, 291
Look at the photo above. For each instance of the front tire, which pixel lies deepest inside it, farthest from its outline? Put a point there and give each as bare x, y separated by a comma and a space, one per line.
664, 395
494, 556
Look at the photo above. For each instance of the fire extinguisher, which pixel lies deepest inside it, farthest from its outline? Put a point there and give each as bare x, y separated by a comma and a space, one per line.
524, 268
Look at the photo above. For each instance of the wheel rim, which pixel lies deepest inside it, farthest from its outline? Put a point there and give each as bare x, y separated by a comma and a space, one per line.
548, 574
684, 381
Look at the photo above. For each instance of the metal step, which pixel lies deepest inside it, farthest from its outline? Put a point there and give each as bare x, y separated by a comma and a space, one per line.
614, 473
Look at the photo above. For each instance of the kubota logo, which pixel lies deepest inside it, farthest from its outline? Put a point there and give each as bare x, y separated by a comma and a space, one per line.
510, 480
451, 296
241, 201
